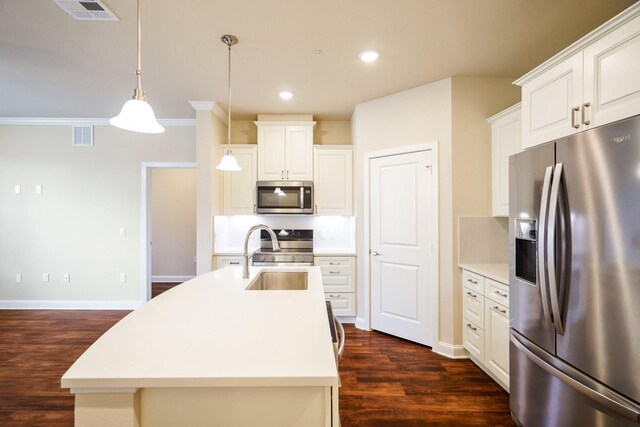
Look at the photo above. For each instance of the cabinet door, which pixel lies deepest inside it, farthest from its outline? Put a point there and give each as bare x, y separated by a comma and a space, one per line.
333, 181
239, 189
611, 76
496, 336
548, 102
271, 153
505, 141
227, 261
299, 153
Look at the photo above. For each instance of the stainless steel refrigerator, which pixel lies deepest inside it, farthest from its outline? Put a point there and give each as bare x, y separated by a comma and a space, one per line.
574, 242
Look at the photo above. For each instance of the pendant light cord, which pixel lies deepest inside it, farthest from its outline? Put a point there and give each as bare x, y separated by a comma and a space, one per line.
138, 93
229, 102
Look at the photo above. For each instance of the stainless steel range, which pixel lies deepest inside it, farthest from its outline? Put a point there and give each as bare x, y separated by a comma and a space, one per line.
296, 248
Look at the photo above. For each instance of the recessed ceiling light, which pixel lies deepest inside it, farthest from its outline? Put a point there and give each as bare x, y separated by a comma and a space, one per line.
285, 95
369, 55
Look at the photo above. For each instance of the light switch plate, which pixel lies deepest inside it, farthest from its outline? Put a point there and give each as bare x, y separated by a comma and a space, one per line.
66, 277
123, 232
18, 278
17, 189
123, 277
45, 277
38, 189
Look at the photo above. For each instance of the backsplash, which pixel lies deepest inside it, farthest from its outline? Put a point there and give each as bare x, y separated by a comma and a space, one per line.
483, 240
329, 232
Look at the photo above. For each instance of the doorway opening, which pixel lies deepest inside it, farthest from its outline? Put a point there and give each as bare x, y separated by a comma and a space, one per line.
168, 226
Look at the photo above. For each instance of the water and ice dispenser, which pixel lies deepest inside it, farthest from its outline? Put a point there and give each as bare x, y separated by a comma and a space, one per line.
525, 249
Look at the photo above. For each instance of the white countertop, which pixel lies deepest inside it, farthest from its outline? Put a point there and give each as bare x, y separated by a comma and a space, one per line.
316, 252
211, 332
498, 272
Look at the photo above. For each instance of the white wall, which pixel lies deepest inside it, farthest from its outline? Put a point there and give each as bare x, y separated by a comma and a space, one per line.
414, 116
173, 224
88, 194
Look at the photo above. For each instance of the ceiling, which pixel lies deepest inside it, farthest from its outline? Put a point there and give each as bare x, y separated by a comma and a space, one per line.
54, 66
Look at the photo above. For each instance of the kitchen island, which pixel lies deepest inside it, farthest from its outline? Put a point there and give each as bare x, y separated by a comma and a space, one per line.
210, 352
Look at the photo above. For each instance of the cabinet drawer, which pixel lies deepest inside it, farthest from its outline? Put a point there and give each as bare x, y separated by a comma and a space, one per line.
337, 283
497, 292
497, 309
228, 261
333, 261
473, 281
343, 303
473, 307
473, 339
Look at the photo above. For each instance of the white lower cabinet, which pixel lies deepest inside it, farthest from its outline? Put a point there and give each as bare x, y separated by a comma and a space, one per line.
339, 281
485, 334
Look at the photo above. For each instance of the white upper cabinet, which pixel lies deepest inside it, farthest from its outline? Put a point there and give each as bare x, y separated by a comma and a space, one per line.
333, 179
591, 83
285, 151
239, 187
505, 141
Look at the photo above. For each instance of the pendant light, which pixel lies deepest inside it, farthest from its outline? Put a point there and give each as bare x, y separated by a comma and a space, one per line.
228, 162
136, 114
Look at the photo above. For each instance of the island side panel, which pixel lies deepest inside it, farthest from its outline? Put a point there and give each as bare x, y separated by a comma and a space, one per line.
236, 406
107, 409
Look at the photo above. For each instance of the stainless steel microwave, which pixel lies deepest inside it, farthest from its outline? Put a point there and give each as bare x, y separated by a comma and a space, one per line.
284, 197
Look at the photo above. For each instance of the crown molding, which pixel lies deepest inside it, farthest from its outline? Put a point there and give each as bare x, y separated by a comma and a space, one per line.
210, 106
68, 121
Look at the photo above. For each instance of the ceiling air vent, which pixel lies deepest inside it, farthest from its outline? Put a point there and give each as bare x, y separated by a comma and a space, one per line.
82, 136
87, 10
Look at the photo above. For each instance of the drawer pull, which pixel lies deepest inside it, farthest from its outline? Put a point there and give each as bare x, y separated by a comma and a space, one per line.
574, 123
234, 262
474, 329
497, 309
475, 282
472, 295
334, 296
334, 263
500, 294
334, 272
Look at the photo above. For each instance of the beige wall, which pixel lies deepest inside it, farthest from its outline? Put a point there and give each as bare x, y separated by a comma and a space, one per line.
173, 224
474, 99
452, 112
88, 194
414, 116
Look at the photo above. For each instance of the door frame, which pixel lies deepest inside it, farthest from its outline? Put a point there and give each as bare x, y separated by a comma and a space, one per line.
434, 229
145, 212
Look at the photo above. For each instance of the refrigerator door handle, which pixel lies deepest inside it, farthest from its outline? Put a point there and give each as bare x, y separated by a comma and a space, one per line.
611, 400
542, 237
551, 248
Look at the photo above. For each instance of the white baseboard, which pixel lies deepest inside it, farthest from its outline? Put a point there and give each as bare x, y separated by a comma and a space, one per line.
347, 319
450, 350
360, 324
170, 279
68, 305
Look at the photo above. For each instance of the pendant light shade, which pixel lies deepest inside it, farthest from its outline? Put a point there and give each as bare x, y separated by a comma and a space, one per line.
228, 162
136, 115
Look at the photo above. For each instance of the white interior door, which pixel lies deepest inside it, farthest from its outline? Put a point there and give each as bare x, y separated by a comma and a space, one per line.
401, 243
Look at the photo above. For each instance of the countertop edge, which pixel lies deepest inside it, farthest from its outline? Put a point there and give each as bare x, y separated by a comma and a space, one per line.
494, 271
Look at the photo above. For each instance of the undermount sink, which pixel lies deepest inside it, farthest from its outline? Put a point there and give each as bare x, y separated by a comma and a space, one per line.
279, 281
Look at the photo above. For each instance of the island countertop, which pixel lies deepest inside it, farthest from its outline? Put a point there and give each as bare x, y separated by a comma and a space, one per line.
212, 332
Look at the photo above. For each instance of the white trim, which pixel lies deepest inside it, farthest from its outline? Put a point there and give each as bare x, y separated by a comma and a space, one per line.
365, 323
361, 324
451, 351
504, 113
347, 319
285, 123
210, 106
68, 305
66, 121
585, 41
145, 254
170, 279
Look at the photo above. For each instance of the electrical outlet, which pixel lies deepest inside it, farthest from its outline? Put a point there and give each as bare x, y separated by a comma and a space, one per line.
18, 278
195, 259
38, 189
123, 232
45, 277
66, 277
123, 277
17, 189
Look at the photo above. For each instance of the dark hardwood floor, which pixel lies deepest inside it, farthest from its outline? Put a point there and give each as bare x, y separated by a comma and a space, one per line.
386, 381
158, 288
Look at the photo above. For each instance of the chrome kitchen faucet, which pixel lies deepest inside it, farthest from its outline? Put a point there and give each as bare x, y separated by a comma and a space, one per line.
274, 243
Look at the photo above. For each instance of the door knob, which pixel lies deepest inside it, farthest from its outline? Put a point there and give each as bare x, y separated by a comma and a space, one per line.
374, 253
